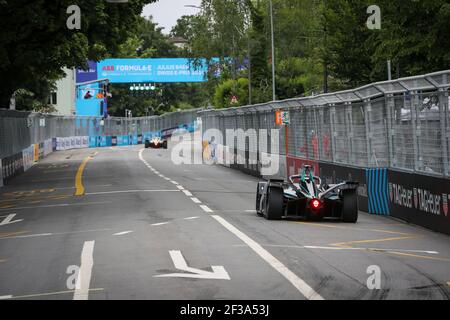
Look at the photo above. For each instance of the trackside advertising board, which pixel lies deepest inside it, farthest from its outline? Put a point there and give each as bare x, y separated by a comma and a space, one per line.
151, 70
420, 199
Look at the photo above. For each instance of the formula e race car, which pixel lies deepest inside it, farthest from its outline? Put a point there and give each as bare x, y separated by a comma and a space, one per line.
156, 143
307, 197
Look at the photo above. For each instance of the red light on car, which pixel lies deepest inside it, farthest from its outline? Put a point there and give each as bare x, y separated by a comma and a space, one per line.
315, 204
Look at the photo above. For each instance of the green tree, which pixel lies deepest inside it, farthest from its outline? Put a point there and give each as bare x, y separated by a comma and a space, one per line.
35, 43
229, 88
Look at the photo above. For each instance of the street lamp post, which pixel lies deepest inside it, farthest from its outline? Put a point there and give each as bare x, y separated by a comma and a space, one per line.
274, 97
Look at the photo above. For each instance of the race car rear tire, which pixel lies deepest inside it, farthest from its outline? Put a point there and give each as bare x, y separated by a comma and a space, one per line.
274, 207
350, 206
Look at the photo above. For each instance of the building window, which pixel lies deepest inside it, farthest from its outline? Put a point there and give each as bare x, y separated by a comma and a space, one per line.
53, 99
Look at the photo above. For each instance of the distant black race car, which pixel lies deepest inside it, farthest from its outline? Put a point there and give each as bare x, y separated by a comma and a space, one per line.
305, 196
156, 143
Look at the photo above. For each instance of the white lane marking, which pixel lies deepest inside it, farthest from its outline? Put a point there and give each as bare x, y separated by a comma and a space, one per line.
84, 275
159, 224
206, 209
58, 205
295, 280
342, 249
196, 200
180, 187
122, 233
187, 192
218, 273
5, 297
8, 219
127, 191
191, 218
250, 211
168, 179
174, 182
54, 234
28, 236
140, 155
48, 294
157, 172
371, 249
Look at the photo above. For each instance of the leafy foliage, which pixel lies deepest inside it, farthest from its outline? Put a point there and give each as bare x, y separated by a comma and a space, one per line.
35, 43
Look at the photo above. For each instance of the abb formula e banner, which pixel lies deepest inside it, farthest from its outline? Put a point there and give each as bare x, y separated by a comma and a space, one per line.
165, 70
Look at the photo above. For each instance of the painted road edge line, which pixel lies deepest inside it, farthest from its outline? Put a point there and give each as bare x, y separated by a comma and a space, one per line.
187, 193
79, 188
308, 292
206, 208
85, 273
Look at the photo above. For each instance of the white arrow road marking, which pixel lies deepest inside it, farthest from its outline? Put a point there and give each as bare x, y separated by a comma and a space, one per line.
8, 219
84, 275
218, 273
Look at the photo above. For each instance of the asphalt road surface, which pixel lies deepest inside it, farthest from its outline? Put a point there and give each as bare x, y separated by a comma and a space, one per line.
144, 228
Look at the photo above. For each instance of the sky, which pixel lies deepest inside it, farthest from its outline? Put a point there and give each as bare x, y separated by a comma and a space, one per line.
167, 12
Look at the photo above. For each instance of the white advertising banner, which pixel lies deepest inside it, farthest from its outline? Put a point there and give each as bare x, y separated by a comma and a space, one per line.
60, 144
77, 142
85, 142
48, 147
67, 144
28, 158
73, 142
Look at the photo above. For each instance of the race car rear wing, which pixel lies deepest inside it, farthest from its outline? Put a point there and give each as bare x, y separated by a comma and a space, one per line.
349, 185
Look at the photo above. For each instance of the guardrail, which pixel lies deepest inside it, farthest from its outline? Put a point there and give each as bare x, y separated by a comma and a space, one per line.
28, 137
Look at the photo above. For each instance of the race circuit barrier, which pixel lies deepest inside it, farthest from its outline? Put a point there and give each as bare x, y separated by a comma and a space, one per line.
28, 158
12, 166
377, 190
420, 199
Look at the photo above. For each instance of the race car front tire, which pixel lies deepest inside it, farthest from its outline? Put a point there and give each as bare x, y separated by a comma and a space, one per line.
350, 206
274, 206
